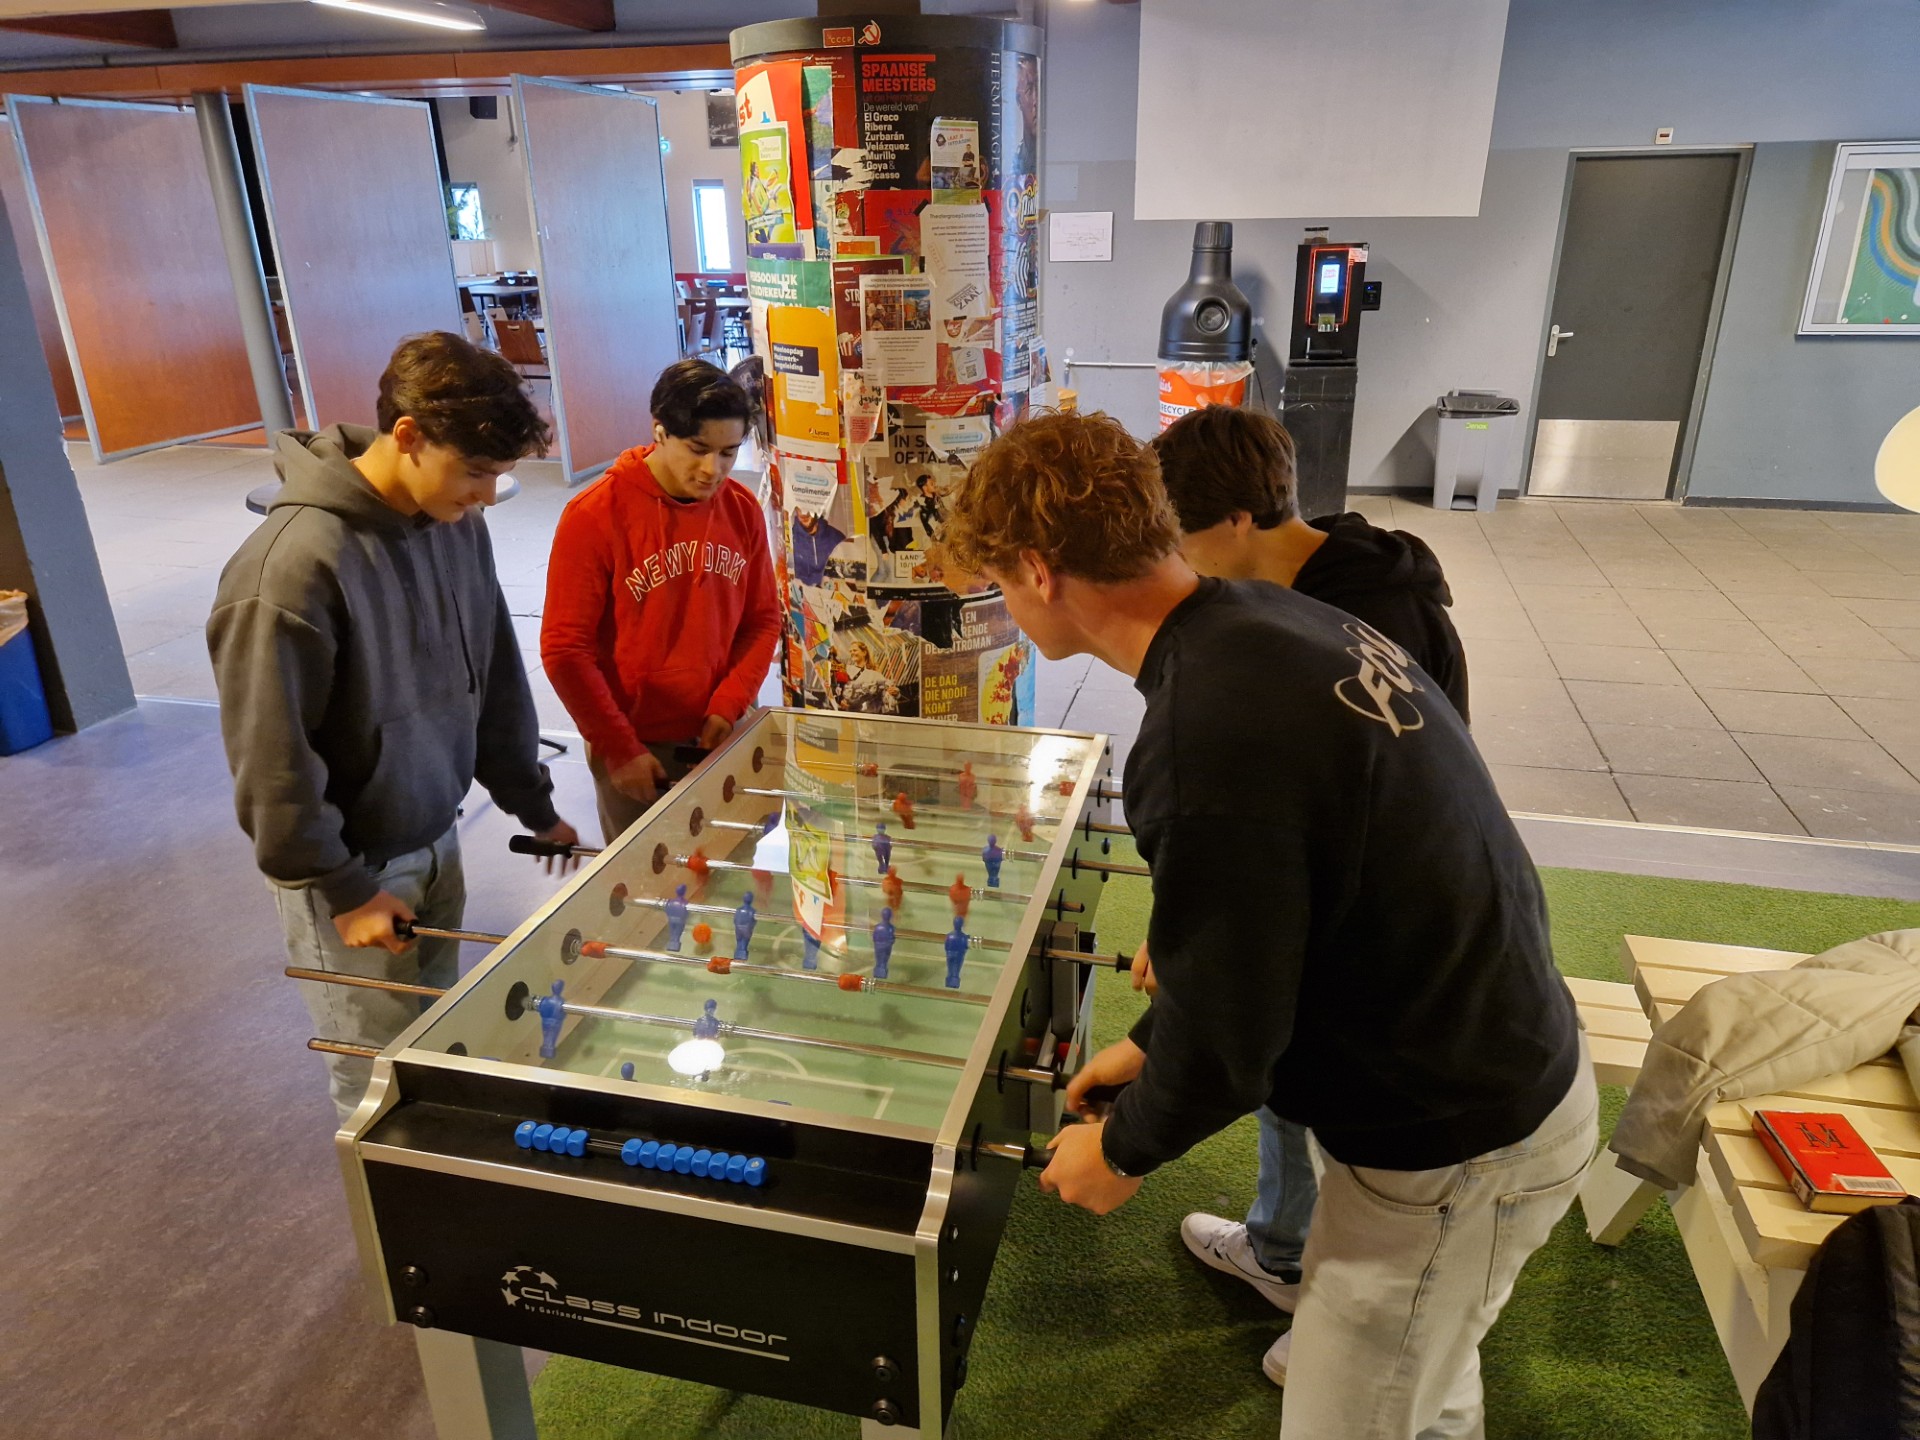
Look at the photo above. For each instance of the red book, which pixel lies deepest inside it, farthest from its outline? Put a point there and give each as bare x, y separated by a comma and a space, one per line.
1830, 1167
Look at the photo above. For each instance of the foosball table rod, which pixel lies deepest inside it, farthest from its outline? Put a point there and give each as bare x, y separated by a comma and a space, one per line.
595, 949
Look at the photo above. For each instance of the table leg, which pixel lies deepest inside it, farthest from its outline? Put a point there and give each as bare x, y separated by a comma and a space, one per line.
1749, 1304
477, 1389
1612, 1200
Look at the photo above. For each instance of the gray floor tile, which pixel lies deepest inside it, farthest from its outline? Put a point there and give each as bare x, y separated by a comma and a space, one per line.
1668, 576
1629, 664
1539, 697
1571, 600
1547, 570
1742, 580
1498, 623
1578, 629
1709, 804
1830, 640
1868, 679
1521, 657
1538, 791
1839, 764
1884, 720
1907, 642
1734, 636
1660, 750
1885, 614
1545, 744
1855, 815
1887, 585
1614, 702
1714, 669
1679, 606
1777, 712
1766, 609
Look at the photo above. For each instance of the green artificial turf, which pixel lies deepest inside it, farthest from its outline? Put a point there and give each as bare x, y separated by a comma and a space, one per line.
1107, 1329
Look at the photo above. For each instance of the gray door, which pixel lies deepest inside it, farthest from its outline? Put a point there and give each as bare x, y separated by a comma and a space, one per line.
1639, 260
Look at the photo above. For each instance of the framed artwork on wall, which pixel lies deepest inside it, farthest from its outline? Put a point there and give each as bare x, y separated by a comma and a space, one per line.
1866, 268
723, 121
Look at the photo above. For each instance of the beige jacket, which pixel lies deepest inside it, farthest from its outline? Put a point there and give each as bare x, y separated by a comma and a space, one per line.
1764, 1032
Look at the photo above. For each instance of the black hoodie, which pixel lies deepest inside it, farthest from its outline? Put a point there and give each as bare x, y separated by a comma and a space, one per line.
368, 675
1391, 580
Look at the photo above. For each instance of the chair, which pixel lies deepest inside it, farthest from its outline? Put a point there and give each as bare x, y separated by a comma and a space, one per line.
519, 342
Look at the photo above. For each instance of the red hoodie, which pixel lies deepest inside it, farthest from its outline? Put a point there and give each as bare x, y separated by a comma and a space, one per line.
660, 612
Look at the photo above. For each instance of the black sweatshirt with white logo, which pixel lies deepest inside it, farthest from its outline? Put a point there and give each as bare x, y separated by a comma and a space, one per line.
1392, 580
1346, 926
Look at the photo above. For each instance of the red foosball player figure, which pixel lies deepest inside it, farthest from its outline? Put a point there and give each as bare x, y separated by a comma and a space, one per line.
969, 787
697, 863
961, 894
870, 769
763, 882
903, 807
891, 887
1023, 821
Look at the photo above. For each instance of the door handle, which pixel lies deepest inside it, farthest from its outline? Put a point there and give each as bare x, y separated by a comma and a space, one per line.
1554, 337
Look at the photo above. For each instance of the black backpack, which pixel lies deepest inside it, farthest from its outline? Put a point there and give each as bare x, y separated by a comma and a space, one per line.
1851, 1367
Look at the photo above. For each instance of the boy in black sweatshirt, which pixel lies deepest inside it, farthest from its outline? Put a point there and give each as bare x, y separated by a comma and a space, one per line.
1230, 475
1346, 929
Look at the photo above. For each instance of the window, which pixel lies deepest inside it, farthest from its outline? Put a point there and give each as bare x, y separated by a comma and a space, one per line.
464, 220
710, 224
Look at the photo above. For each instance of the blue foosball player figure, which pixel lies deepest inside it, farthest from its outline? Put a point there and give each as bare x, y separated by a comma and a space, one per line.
707, 1026
957, 943
882, 847
993, 855
744, 919
883, 943
676, 916
553, 1014
810, 950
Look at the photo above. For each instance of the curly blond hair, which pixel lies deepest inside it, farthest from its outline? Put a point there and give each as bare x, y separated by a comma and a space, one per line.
1077, 490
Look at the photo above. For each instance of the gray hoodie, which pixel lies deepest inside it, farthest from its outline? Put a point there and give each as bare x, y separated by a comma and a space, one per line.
368, 675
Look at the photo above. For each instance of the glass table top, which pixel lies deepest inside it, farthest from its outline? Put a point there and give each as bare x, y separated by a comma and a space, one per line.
771, 977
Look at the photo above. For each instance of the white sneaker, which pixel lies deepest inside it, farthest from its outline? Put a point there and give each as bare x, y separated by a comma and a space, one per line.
1274, 1362
1223, 1244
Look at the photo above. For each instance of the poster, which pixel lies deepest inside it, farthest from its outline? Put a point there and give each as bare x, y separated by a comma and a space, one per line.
808, 482
846, 301
896, 329
770, 95
805, 375
954, 162
892, 217
902, 95
957, 252
767, 193
816, 90
789, 282
985, 674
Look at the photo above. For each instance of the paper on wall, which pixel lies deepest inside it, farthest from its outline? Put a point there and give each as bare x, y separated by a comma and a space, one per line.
896, 329
1074, 236
807, 483
958, 250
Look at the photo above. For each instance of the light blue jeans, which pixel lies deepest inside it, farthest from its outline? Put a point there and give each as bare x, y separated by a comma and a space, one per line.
1408, 1269
1283, 1197
432, 882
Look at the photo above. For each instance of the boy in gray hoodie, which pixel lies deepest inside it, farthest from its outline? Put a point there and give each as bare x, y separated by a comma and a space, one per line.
369, 674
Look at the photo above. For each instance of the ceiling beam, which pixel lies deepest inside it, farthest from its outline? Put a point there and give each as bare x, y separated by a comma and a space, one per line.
580, 14
150, 29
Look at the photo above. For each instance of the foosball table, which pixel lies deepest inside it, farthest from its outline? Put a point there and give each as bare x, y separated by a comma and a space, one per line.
747, 1101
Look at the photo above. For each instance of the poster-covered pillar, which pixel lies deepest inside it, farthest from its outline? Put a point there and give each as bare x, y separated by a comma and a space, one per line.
892, 218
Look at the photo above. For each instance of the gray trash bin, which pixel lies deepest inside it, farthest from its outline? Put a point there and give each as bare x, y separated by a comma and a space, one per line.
1479, 451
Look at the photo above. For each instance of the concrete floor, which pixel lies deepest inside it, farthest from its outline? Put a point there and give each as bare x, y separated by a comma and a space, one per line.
1754, 670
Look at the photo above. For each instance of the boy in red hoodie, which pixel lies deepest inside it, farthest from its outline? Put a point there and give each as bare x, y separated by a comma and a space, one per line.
661, 616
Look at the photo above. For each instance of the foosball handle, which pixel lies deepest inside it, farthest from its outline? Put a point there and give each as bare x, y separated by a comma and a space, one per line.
546, 849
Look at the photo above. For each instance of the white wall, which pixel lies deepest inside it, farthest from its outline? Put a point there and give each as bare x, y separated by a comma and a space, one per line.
487, 153
683, 123
1465, 301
